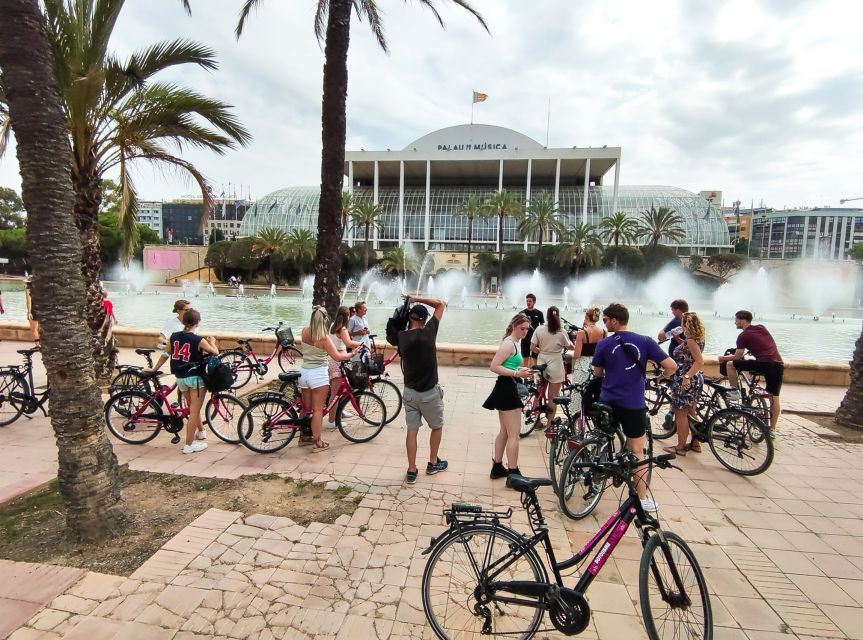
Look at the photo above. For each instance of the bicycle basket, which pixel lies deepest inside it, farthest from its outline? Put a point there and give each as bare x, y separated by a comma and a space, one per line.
375, 365
357, 375
285, 336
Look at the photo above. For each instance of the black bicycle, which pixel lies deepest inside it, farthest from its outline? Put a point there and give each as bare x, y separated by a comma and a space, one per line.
565, 434
131, 376
484, 578
18, 391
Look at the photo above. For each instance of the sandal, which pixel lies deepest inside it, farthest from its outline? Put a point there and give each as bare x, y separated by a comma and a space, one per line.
320, 445
305, 441
675, 450
694, 447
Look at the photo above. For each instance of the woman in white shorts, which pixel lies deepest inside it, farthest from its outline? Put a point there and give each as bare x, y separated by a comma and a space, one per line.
342, 339
314, 372
550, 340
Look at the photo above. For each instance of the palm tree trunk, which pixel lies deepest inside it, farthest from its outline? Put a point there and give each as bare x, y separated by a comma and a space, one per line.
270, 274
499, 250
615, 252
850, 411
469, 242
328, 261
87, 471
539, 250
366, 251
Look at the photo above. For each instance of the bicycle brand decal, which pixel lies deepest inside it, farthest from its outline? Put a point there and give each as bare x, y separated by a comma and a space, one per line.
602, 531
608, 547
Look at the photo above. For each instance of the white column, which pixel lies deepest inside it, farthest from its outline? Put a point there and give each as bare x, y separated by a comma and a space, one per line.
784, 237
428, 204
802, 242
557, 186
834, 238
616, 186
375, 200
586, 188
350, 191
401, 201
816, 253
769, 239
527, 190
843, 245
499, 188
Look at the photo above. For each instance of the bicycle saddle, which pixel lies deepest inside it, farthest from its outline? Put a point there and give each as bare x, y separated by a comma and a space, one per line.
529, 485
539, 367
144, 352
28, 352
242, 342
562, 400
290, 376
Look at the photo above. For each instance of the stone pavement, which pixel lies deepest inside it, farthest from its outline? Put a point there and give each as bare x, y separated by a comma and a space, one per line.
782, 552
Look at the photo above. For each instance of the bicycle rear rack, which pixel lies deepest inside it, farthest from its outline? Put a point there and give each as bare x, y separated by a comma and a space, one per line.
460, 512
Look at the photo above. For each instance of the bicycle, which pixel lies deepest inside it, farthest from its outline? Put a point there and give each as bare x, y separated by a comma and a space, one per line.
569, 431
536, 401
136, 416
271, 420
244, 361
130, 376
18, 391
484, 578
385, 389
657, 396
580, 492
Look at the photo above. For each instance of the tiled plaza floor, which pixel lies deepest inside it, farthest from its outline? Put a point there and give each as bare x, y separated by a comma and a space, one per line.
782, 552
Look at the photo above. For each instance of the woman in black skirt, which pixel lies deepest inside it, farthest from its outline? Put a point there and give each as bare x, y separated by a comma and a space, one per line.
504, 397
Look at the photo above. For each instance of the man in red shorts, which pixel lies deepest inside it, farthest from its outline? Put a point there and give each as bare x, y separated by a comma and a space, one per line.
758, 341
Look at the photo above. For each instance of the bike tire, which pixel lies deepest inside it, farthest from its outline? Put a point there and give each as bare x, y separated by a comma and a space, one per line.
529, 415
222, 416
268, 424
673, 571
241, 366
711, 400
659, 413
122, 421
557, 454
450, 584
288, 358
391, 395
14, 392
740, 441
580, 489
366, 417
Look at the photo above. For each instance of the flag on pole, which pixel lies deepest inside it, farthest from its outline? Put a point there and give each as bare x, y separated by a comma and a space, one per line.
709, 202
479, 97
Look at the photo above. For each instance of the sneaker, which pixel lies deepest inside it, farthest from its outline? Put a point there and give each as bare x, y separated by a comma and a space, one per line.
330, 425
497, 471
437, 467
201, 435
411, 476
347, 413
195, 447
649, 505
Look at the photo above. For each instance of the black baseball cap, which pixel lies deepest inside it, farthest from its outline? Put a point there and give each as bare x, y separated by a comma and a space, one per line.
419, 312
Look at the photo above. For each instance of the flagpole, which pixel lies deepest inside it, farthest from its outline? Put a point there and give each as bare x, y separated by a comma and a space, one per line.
472, 103
548, 122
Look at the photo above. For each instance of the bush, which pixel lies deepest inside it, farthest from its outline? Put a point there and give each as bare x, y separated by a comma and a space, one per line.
629, 259
658, 256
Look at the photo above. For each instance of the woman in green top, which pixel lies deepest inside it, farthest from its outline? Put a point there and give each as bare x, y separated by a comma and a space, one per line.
504, 397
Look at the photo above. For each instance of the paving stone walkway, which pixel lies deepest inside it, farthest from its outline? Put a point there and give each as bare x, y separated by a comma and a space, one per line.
782, 552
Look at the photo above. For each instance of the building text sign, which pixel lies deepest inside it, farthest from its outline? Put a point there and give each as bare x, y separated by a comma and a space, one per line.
472, 146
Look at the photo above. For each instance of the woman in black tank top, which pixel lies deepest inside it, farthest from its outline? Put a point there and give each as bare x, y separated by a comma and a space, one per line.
585, 345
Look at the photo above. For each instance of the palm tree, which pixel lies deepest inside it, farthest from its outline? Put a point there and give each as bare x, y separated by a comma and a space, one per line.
300, 247
365, 215
471, 208
618, 228
333, 26
87, 469
543, 217
267, 243
580, 245
349, 203
117, 114
850, 411
659, 223
396, 261
502, 204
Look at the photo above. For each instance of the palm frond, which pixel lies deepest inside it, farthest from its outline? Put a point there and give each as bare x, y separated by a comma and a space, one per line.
128, 214
464, 4
158, 57
369, 10
5, 124
321, 12
248, 5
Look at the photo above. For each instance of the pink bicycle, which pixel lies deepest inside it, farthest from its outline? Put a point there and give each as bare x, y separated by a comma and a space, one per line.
244, 361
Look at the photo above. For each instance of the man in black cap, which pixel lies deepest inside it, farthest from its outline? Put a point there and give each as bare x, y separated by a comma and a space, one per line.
423, 397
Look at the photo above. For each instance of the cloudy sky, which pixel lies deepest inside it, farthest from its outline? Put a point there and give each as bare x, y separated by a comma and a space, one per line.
762, 99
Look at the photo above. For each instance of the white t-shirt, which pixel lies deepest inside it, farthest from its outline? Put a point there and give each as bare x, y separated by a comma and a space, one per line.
357, 323
172, 325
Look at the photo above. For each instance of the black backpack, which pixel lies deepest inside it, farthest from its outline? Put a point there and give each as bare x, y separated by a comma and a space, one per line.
217, 375
399, 322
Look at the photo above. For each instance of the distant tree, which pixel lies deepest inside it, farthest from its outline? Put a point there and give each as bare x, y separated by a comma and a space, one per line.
726, 264
661, 222
367, 215
112, 240
471, 208
695, 263
656, 256
266, 244
349, 203
856, 252
616, 229
396, 261
13, 246
11, 208
242, 256
579, 246
515, 260
628, 259
217, 257
300, 247
543, 218
216, 235
485, 265
502, 204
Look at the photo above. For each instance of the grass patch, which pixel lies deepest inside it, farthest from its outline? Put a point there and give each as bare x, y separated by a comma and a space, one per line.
32, 528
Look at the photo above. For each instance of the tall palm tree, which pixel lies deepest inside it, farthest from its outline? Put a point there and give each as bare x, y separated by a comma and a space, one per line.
618, 228
300, 247
850, 411
87, 469
542, 217
333, 26
267, 243
117, 114
502, 204
349, 203
365, 215
471, 208
662, 222
580, 245
396, 261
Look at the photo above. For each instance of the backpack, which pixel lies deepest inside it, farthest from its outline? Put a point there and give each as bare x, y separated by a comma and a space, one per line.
217, 375
398, 322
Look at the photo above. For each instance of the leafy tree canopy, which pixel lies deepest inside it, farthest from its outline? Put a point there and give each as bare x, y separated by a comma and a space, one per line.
11, 209
727, 264
856, 252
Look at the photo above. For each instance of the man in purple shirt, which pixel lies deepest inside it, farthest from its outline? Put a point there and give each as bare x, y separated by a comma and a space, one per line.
621, 361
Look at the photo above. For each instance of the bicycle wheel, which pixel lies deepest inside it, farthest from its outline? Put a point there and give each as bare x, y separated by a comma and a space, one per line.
451, 588
362, 417
530, 414
289, 358
711, 400
13, 397
268, 424
758, 404
129, 379
659, 412
740, 441
557, 453
673, 592
133, 416
390, 394
240, 365
222, 416
581, 488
